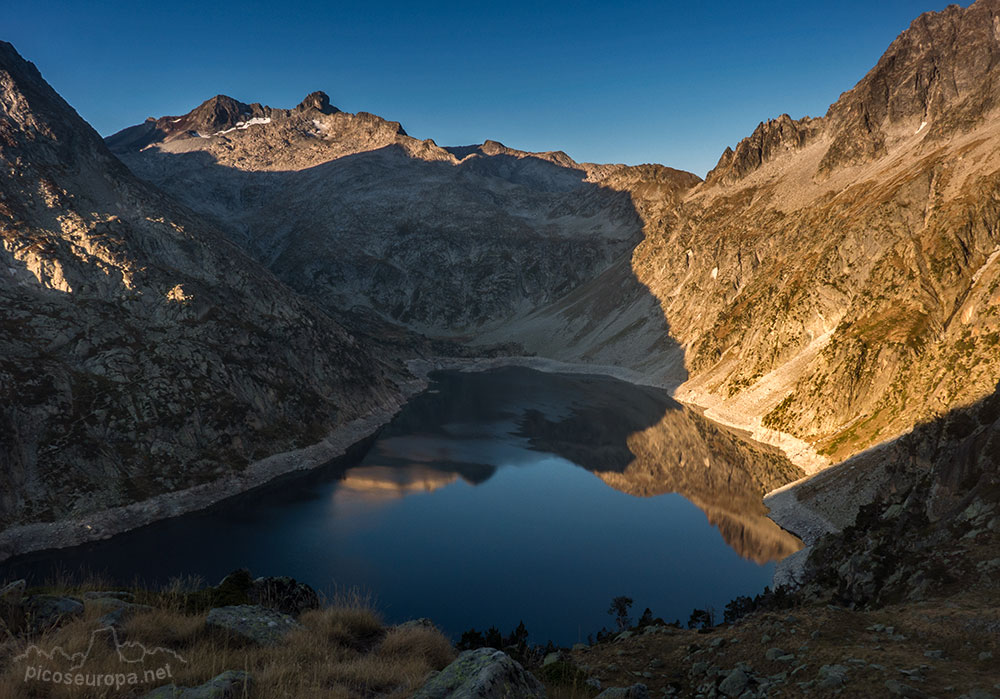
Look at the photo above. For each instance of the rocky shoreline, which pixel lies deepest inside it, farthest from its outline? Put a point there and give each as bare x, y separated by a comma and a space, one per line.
795, 450
28, 538
41, 536
788, 512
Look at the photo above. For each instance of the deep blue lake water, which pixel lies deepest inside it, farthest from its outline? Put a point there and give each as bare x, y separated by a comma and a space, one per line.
478, 505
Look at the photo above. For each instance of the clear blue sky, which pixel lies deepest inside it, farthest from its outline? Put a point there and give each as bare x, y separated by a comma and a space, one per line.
629, 82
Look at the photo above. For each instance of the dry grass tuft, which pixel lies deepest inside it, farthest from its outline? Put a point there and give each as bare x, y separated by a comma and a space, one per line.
166, 628
341, 651
353, 628
425, 643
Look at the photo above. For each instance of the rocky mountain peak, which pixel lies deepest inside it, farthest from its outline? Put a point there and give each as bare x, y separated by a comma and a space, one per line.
226, 118
770, 139
492, 148
939, 77
37, 125
319, 100
219, 112
22, 90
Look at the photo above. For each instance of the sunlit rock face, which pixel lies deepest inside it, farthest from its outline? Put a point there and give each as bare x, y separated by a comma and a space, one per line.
835, 279
832, 282
139, 351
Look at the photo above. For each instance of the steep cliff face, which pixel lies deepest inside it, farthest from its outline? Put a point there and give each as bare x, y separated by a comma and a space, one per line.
836, 279
139, 351
939, 75
929, 520
938, 78
351, 211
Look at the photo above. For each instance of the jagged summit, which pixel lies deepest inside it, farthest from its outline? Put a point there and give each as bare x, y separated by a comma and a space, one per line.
939, 77
221, 112
768, 141
319, 100
218, 116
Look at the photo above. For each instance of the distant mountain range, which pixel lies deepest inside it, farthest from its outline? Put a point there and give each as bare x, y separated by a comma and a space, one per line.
353, 213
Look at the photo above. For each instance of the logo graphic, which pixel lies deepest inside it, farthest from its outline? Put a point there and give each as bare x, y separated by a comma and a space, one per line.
106, 662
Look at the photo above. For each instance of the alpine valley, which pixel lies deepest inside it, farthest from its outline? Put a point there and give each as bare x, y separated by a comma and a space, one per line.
201, 303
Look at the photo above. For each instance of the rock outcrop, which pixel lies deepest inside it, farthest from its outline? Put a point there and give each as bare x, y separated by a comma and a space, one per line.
485, 673
636, 691
44, 612
932, 524
117, 611
251, 624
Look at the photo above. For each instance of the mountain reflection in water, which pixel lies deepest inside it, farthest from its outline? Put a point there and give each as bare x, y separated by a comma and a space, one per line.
636, 439
383, 482
486, 501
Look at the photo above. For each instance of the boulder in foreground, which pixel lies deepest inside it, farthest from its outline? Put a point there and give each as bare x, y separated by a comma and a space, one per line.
484, 673
265, 627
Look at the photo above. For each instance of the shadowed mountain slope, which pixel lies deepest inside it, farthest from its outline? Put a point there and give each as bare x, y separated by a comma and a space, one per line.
140, 352
351, 211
